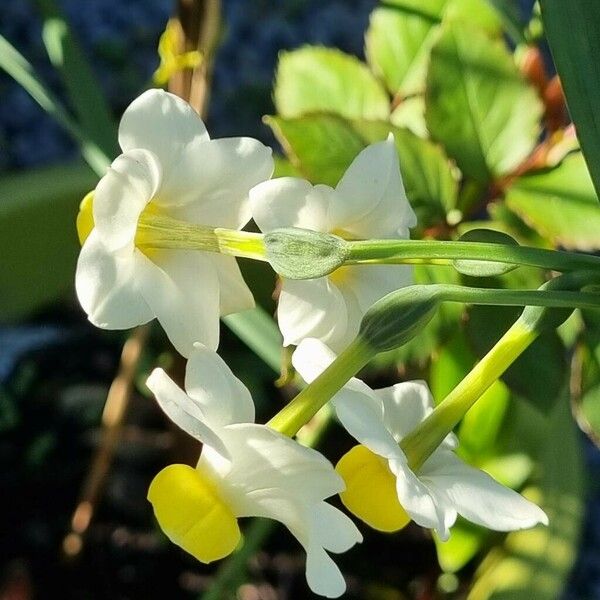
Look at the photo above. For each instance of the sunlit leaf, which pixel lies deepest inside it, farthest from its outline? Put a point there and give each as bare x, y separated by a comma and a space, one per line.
560, 204
478, 105
314, 79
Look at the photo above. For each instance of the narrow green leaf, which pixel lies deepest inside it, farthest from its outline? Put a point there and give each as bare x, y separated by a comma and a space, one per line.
478, 105
314, 79
560, 204
15, 64
85, 94
258, 331
573, 32
37, 229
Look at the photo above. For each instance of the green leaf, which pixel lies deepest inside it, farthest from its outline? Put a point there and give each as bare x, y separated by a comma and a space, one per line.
15, 64
478, 105
397, 48
587, 411
258, 331
37, 229
536, 563
322, 147
314, 79
574, 37
560, 204
477, 268
85, 94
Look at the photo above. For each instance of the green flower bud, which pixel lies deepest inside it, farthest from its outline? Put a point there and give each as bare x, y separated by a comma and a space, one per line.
399, 316
304, 254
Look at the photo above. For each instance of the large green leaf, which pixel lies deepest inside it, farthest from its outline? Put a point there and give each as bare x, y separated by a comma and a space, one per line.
314, 79
397, 48
37, 236
400, 36
85, 94
536, 563
478, 105
560, 204
573, 32
323, 146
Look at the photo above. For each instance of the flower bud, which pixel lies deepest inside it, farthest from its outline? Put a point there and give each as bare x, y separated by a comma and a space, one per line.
399, 316
304, 254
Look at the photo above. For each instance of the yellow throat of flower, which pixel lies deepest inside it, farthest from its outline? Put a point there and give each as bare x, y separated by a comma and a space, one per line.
371, 490
85, 217
192, 514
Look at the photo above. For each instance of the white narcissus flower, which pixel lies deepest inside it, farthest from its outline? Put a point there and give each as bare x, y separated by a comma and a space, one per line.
368, 202
169, 167
382, 489
244, 470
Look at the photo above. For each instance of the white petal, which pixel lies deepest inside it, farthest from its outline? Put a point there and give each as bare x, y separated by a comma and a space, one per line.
107, 285
264, 460
211, 181
370, 283
291, 202
183, 292
416, 499
322, 574
361, 414
162, 123
335, 531
222, 397
311, 308
405, 406
122, 194
478, 497
235, 295
183, 411
370, 197
311, 358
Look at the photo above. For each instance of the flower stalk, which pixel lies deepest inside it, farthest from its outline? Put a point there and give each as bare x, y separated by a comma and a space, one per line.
445, 252
317, 394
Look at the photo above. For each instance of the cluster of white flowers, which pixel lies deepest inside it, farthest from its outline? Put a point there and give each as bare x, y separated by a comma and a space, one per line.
171, 168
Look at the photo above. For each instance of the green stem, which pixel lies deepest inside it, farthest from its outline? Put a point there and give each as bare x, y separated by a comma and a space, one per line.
442, 252
314, 396
422, 441
499, 297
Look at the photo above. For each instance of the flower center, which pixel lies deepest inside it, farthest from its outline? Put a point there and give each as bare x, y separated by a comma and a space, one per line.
191, 512
371, 490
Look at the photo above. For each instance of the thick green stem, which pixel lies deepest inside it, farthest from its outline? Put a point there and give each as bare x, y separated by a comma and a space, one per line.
423, 440
442, 252
318, 393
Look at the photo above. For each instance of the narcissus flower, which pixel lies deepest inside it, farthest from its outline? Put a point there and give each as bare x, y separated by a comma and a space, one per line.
169, 168
382, 489
368, 202
244, 470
